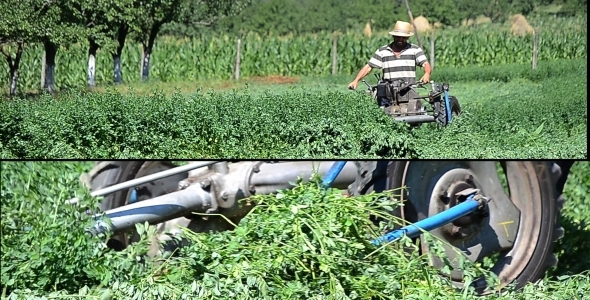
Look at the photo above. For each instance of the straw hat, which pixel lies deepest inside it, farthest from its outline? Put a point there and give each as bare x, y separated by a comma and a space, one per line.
402, 29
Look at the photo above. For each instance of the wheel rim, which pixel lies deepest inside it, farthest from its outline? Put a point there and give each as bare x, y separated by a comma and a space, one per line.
476, 236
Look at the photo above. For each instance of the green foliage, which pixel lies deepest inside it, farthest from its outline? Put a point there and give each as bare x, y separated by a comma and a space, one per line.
105, 19
303, 242
298, 124
44, 246
37, 20
209, 57
509, 72
576, 222
507, 118
308, 16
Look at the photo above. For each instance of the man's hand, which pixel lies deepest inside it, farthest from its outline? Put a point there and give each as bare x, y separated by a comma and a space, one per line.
352, 85
425, 78
427, 70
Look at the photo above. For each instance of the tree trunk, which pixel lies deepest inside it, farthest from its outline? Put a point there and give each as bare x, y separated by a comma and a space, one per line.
50, 53
43, 65
13, 66
147, 52
92, 62
121, 36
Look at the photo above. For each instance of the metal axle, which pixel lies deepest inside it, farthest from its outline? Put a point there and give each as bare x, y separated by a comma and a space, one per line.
416, 119
219, 192
155, 210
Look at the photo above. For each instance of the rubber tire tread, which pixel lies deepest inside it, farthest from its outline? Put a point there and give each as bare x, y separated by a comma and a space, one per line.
442, 119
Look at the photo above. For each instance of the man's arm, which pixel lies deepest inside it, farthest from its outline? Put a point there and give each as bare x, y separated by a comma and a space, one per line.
427, 72
376, 61
361, 74
422, 61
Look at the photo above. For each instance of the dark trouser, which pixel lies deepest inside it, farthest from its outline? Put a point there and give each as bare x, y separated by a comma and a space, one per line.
383, 102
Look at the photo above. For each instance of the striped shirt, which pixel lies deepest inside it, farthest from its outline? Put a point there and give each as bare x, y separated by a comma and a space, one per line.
403, 67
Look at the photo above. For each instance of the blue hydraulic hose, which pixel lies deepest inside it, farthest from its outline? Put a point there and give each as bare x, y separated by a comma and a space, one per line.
449, 114
333, 173
133, 197
431, 223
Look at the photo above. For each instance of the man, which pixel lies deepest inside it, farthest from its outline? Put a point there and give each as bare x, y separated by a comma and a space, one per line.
398, 60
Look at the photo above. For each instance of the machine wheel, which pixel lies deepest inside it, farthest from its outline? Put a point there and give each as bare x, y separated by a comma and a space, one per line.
520, 227
107, 173
442, 118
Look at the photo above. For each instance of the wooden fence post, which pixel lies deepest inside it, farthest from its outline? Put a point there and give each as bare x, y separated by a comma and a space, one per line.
237, 66
334, 53
432, 49
535, 47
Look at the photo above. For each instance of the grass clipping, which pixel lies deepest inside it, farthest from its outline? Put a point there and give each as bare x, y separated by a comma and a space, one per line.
308, 242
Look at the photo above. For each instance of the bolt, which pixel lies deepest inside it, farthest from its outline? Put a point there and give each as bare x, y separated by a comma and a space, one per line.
458, 232
468, 178
224, 195
206, 183
182, 185
252, 189
256, 169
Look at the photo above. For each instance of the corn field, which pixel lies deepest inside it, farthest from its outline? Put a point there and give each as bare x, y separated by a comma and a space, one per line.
214, 57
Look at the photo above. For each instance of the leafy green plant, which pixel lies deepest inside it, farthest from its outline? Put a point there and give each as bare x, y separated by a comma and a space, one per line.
45, 245
524, 117
302, 242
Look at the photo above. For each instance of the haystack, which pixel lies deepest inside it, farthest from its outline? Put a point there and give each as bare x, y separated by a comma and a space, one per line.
467, 22
367, 31
520, 26
422, 24
481, 19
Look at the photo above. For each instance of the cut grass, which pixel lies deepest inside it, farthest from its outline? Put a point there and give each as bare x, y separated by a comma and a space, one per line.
30, 186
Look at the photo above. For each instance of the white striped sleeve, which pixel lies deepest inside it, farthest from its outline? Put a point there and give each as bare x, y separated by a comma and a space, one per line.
377, 60
420, 57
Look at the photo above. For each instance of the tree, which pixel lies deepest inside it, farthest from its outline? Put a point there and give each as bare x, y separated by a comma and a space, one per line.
15, 31
108, 22
30, 22
152, 15
62, 24
149, 18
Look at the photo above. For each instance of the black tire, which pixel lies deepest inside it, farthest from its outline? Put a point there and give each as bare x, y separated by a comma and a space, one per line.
544, 178
442, 118
108, 173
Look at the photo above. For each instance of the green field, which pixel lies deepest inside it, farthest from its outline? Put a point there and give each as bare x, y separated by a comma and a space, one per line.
509, 111
213, 57
46, 254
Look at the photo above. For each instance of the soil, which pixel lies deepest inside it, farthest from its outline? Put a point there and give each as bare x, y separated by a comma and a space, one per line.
274, 79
